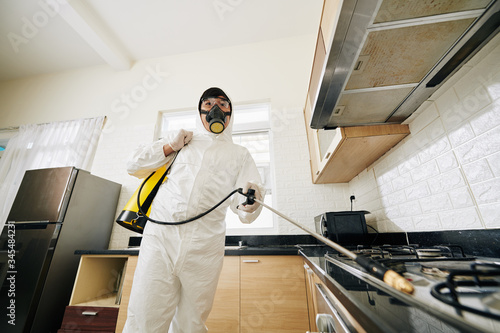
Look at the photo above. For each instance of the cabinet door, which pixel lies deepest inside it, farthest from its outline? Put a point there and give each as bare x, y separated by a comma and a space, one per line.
225, 314
273, 294
127, 287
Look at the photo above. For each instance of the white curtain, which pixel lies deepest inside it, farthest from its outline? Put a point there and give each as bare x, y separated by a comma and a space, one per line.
59, 144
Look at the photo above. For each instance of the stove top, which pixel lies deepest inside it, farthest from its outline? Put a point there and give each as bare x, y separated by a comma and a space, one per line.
453, 292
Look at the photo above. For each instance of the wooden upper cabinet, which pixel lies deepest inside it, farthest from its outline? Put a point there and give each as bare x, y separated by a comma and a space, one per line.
353, 149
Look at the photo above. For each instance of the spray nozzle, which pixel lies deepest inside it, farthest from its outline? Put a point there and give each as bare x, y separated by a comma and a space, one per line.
250, 196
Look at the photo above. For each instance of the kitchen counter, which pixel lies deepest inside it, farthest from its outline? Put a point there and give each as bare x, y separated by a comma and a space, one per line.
230, 251
253, 245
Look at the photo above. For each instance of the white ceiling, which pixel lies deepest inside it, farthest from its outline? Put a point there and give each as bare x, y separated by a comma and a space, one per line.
46, 36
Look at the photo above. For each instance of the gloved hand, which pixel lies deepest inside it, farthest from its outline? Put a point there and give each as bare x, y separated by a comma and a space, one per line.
181, 139
258, 195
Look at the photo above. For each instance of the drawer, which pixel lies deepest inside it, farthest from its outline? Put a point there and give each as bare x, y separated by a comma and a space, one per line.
89, 318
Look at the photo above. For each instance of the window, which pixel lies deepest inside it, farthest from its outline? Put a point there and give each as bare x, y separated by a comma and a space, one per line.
251, 129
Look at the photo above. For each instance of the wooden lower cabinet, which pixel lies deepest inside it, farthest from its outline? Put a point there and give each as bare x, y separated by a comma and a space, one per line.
225, 314
265, 294
273, 295
269, 296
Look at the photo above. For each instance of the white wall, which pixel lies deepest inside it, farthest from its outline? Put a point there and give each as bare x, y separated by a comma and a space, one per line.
277, 71
446, 174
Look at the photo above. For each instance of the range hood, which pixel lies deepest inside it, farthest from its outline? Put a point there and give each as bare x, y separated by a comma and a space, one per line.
388, 56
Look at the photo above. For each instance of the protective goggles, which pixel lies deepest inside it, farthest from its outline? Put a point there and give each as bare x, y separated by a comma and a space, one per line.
223, 103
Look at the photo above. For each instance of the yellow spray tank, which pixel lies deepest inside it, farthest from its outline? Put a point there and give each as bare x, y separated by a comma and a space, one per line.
130, 217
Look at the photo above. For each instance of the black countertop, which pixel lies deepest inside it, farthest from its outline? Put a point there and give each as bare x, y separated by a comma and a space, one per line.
472, 241
230, 251
252, 245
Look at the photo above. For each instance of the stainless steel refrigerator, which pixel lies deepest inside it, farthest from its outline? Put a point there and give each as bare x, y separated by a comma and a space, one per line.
56, 211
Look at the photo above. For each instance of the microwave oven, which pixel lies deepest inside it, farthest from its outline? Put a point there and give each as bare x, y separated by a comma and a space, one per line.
344, 228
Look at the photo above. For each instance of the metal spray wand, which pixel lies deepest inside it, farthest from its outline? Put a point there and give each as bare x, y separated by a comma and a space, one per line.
389, 276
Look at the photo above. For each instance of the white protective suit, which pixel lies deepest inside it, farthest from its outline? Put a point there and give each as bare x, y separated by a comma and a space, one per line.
179, 266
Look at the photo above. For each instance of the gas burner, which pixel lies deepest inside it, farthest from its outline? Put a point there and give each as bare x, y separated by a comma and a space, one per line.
479, 279
411, 251
436, 252
431, 253
374, 253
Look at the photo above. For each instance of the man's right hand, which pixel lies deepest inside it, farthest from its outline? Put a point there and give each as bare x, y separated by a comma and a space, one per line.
181, 139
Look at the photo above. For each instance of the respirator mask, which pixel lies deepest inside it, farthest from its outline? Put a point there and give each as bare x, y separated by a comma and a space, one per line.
216, 110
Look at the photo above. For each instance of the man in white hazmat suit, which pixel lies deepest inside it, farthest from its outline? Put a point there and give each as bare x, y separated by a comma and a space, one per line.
179, 265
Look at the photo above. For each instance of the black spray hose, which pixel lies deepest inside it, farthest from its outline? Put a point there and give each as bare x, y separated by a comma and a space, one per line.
251, 192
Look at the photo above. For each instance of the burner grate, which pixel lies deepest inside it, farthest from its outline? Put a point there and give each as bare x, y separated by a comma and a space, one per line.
481, 274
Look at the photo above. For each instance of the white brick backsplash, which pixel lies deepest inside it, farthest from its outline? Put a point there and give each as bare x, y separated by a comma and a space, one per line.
487, 192
364, 184
478, 171
491, 214
475, 101
435, 130
384, 225
452, 117
447, 181
372, 206
401, 224
425, 171
427, 222
435, 149
461, 135
461, 219
494, 163
409, 164
387, 175
447, 162
436, 203
395, 156
493, 86
425, 118
417, 191
410, 208
402, 181
446, 102
487, 119
479, 147
385, 189
369, 196
470, 81
461, 197
394, 198
418, 141
391, 212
